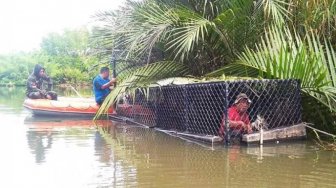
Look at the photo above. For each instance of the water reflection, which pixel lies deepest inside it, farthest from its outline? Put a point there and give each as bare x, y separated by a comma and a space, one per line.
57, 152
12, 97
41, 130
101, 147
111, 153
157, 156
39, 142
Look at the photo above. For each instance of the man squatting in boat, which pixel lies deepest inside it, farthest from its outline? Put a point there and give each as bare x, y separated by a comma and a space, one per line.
102, 84
239, 121
35, 85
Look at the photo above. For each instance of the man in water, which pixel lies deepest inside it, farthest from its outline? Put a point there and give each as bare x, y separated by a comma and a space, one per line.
101, 85
35, 85
239, 121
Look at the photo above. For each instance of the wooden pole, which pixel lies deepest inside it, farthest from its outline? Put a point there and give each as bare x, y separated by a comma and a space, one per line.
261, 136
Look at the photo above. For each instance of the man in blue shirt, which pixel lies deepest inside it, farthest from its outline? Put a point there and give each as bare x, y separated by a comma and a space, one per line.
101, 85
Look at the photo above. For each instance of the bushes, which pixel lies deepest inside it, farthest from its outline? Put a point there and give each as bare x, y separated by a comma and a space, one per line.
69, 75
66, 56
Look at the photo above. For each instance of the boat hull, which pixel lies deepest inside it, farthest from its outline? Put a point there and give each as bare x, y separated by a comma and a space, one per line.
64, 107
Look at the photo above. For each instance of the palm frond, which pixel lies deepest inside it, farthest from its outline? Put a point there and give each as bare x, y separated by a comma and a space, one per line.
237, 69
275, 9
284, 55
148, 24
186, 37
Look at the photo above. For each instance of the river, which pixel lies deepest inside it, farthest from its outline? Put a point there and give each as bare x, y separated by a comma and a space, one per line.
49, 152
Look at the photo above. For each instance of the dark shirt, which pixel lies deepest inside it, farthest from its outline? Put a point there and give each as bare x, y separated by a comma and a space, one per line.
35, 83
100, 93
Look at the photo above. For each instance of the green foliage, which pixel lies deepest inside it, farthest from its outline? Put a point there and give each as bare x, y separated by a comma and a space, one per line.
67, 57
160, 39
15, 68
238, 38
207, 34
283, 54
183, 32
69, 75
69, 43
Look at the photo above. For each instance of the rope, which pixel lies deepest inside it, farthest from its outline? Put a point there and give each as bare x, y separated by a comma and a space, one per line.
329, 134
75, 90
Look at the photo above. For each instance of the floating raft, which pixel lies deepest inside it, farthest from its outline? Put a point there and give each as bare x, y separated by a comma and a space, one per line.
64, 106
279, 134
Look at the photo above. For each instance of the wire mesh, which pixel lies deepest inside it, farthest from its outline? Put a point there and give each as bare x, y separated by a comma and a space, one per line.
216, 108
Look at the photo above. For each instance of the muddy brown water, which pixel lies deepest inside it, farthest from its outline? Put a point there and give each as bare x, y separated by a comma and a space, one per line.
56, 152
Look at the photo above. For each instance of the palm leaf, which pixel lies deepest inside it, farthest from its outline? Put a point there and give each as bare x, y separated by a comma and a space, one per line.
275, 9
280, 55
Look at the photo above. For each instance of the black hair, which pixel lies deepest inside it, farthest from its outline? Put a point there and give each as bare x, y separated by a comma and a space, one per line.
104, 69
37, 70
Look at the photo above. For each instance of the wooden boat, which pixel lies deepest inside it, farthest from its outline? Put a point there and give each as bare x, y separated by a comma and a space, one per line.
64, 106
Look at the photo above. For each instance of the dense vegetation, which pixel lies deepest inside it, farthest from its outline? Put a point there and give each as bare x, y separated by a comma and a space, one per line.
202, 39
15, 68
229, 38
68, 58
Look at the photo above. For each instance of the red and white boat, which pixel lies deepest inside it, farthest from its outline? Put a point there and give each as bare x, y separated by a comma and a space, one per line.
64, 106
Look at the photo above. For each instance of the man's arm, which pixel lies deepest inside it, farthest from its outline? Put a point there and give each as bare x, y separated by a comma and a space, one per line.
249, 128
240, 125
49, 81
108, 84
31, 84
236, 124
232, 124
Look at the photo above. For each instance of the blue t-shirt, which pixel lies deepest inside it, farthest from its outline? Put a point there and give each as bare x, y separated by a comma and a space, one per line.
100, 93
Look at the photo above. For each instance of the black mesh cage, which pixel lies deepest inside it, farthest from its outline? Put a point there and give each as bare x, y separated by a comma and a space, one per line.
203, 108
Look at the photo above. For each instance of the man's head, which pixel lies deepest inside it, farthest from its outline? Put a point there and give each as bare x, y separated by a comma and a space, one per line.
104, 72
42, 72
39, 71
242, 102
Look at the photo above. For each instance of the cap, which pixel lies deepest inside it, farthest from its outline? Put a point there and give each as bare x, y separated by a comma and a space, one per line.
242, 96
